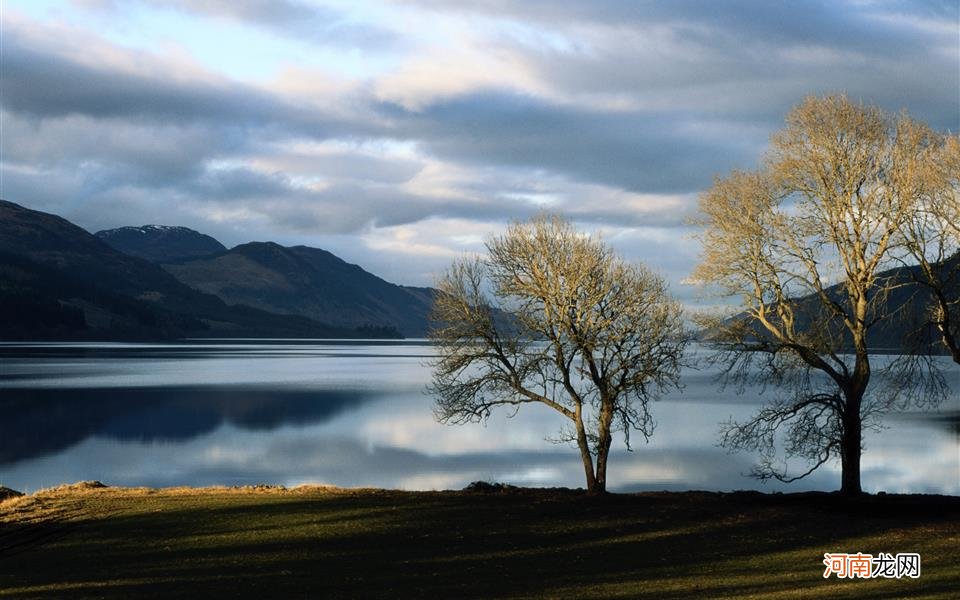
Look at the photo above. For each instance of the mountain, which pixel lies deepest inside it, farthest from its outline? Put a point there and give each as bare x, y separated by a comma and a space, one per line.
309, 282
910, 303
57, 281
160, 243
906, 303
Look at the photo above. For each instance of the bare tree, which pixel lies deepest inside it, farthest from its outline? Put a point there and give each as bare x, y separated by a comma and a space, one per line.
931, 175
554, 317
804, 242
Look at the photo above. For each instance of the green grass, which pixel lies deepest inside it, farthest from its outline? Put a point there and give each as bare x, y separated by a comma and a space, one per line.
317, 542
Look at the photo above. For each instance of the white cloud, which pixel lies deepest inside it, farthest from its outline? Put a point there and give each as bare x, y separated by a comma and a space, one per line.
433, 124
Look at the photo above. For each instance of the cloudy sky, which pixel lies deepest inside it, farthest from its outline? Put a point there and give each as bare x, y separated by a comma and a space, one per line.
398, 134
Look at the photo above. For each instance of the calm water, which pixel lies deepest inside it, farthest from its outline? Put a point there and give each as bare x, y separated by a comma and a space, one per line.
355, 414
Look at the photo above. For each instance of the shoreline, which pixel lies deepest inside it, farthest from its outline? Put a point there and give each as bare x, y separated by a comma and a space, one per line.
477, 488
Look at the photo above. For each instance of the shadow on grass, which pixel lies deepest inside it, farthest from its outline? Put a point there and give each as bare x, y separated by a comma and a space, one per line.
522, 544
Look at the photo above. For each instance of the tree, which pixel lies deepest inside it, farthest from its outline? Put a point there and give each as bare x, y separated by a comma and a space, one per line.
932, 236
554, 317
804, 242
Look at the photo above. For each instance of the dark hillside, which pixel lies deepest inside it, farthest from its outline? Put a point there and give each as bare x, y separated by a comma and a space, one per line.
160, 243
309, 282
59, 281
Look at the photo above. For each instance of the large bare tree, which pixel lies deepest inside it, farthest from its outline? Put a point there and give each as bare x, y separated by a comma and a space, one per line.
554, 317
804, 243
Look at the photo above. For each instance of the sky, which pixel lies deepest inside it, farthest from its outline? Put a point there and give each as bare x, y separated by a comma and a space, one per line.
400, 134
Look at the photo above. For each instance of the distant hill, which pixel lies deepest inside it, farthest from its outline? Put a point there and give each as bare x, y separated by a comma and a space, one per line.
910, 324
57, 281
907, 302
160, 243
309, 282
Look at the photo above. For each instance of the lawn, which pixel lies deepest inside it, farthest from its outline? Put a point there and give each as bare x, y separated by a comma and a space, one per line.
314, 542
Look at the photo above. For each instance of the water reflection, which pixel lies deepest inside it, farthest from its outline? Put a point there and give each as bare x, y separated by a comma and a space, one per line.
38, 421
353, 413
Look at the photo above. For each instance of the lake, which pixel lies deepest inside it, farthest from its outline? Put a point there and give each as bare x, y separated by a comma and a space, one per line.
354, 413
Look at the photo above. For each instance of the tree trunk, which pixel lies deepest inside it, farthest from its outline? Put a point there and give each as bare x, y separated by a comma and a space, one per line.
604, 440
851, 447
850, 460
585, 453
850, 444
602, 452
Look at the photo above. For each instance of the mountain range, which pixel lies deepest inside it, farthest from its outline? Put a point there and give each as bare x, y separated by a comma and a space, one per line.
901, 313
58, 281
298, 280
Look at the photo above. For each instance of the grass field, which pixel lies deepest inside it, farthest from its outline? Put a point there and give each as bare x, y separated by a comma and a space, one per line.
83, 541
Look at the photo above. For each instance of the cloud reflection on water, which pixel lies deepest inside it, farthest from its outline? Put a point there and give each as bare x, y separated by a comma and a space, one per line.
320, 413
